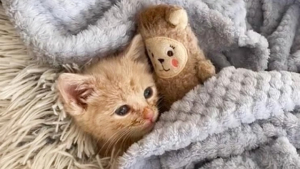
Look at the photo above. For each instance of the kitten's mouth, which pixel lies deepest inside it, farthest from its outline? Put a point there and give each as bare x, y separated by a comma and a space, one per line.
150, 120
149, 126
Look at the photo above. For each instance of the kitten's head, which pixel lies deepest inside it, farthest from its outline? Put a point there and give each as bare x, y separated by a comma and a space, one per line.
114, 98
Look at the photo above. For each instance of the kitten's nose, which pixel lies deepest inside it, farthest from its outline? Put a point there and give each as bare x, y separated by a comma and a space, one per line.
148, 114
161, 60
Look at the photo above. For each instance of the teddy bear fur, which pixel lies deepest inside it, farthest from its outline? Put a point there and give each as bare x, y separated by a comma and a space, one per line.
155, 21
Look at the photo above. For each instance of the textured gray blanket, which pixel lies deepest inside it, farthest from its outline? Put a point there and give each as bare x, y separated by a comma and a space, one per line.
238, 119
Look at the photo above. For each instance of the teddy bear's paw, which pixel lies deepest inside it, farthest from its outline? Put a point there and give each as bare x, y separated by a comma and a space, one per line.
206, 70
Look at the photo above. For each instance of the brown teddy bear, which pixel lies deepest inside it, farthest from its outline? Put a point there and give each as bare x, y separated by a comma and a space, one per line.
172, 47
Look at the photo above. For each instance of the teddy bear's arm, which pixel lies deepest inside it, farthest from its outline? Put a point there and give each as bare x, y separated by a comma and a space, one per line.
205, 68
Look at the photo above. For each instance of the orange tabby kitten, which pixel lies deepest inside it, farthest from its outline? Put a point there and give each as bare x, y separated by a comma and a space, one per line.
114, 100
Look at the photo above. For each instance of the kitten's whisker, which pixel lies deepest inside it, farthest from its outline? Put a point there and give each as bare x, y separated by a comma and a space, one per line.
125, 139
108, 141
113, 143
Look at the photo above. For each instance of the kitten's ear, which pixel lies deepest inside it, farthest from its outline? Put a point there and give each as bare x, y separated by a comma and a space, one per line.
136, 49
75, 90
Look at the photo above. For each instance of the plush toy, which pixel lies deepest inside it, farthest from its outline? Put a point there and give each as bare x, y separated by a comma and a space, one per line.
172, 47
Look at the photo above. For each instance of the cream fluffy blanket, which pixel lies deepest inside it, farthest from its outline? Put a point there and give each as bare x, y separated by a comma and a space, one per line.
238, 119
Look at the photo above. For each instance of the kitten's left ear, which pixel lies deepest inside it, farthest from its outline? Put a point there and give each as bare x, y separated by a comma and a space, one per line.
136, 49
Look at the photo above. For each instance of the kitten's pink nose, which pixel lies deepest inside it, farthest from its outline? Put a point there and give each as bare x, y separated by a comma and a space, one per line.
148, 114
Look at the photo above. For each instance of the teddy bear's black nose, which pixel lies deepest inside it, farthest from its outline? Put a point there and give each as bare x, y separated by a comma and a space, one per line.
161, 60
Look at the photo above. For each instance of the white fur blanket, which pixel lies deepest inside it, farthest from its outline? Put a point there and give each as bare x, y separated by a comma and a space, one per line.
238, 119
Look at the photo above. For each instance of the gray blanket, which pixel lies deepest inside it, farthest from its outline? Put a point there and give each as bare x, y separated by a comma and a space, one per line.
238, 119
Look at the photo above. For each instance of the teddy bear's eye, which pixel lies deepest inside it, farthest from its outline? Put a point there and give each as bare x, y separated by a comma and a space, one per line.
171, 46
152, 55
170, 53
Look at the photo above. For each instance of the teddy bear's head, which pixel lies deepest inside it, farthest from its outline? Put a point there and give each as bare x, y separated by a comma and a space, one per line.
168, 56
163, 30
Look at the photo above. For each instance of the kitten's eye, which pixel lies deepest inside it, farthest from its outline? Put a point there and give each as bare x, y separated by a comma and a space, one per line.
170, 53
148, 93
123, 110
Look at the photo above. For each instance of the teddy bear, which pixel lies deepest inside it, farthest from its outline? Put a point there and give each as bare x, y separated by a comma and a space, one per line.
179, 63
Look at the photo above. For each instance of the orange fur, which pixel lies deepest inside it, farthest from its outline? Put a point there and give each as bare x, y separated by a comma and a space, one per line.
153, 22
93, 96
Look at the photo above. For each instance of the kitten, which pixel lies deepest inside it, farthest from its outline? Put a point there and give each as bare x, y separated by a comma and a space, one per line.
114, 100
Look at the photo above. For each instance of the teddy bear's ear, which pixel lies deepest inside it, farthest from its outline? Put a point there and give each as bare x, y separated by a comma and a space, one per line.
178, 18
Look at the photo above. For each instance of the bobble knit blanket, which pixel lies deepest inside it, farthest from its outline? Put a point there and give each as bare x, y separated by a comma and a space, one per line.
246, 117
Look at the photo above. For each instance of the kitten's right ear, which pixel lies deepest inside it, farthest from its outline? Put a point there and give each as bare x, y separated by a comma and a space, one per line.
75, 90
136, 50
